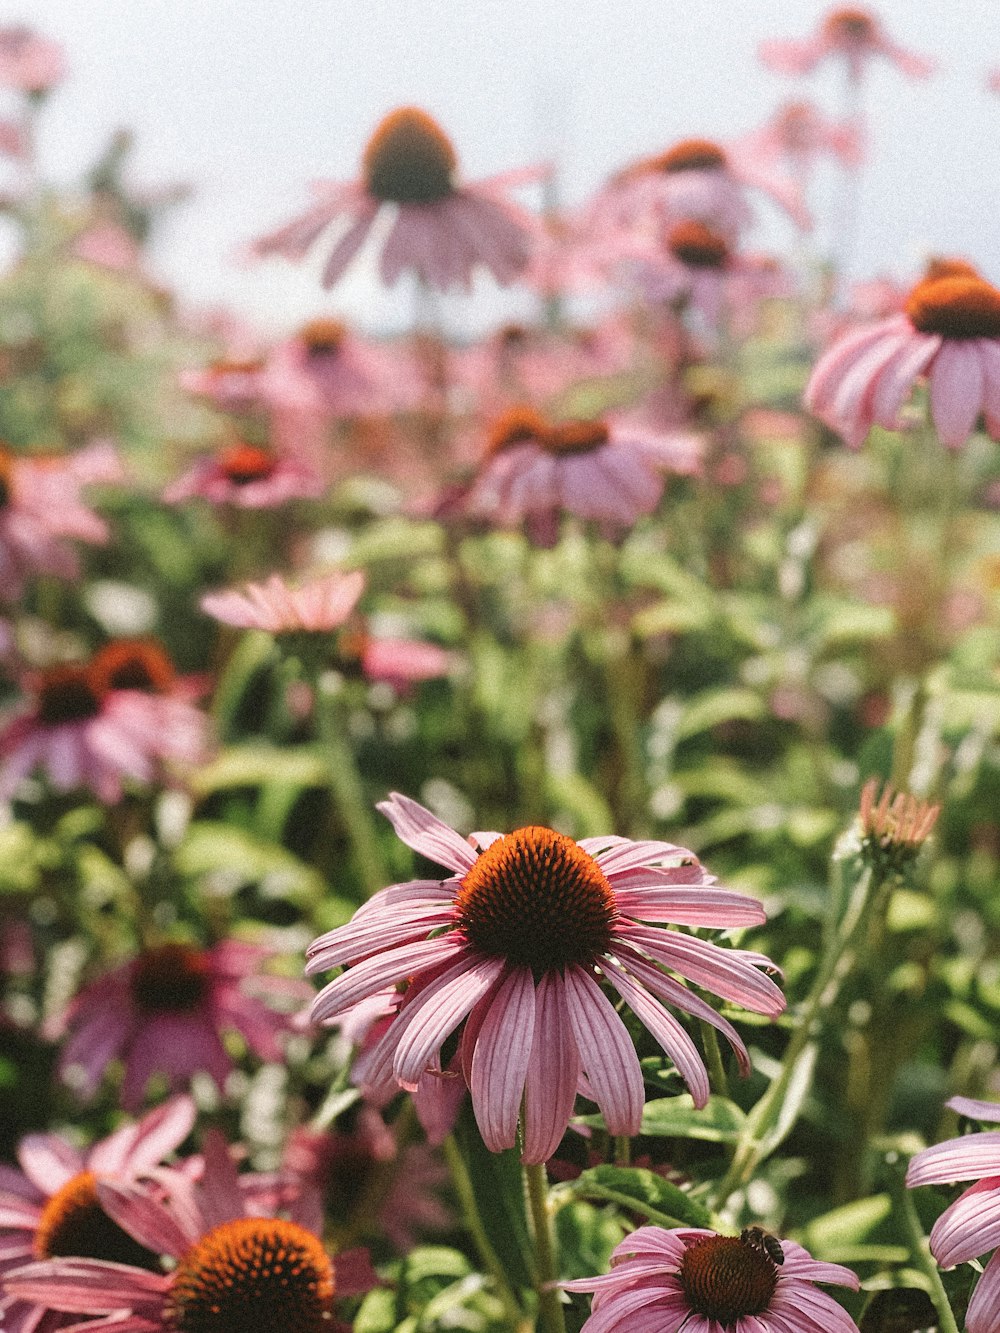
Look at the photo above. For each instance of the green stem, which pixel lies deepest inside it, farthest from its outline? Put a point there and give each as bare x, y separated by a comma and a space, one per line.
470, 1212
348, 791
713, 1056
922, 1257
834, 966
550, 1307
623, 1150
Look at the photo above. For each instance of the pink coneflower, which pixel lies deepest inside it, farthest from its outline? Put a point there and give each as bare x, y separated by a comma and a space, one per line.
40, 506
29, 63
971, 1225
314, 608
148, 701
609, 472
698, 179
339, 1166
249, 477
701, 1282
513, 943
165, 1012
949, 333
52, 1209
856, 35
442, 231
692, 271
346, 375
798, 133
69, 728
231, 1271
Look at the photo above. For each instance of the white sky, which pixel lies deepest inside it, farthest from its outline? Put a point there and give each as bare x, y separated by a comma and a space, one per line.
248, 100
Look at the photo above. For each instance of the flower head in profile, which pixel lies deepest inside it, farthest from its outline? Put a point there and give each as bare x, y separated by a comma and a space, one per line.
894, 825
248, 476
971, 1225
799, 133
442, 230
612, 472
231, 1269
50, 1208
949, 334
165, 1013
853, 34
511, 948
700, 180
702, 1282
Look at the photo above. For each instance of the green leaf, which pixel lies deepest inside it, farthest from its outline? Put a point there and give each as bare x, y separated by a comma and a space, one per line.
848, 1225
586, 1236
719, 1121
499, 1188
637, 1190
377, 1313
708, 709
255, 764
210, 848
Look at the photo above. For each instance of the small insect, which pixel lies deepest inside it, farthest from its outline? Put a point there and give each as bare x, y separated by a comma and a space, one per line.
764, 1243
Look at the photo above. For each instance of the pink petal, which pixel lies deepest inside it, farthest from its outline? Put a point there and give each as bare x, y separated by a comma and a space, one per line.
724, 972
667, 1031
375, 933
983, 1314
86, 1286
501, 1058
974, 1109
690, 906
970, 1226
148, 1220
956, 390
135, 1148
553, 1071
422, 1028
348, 245
898, 377
48, 1161
968, 1158
374, 974
606, 1053
427, 834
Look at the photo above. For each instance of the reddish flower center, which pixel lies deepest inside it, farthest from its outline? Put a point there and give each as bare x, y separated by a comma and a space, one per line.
516, 426
698, 246
855, 26
537, 899
409, 159
74, 1223
323, 337
67, 694
955, 307
575, 437
690, 155
133, 664
170, 979
726, 1279
243, 463
252, 1275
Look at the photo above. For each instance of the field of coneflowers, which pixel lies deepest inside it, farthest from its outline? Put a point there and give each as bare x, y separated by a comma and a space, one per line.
501, 835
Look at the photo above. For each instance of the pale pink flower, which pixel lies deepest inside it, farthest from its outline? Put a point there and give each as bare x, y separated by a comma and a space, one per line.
798, 133
697, 179
403, 662
948, 334
315, 608
701, 1282
854, 34
512, 945
971, 1225
227, 1259
51, 1208
29, 63
165, 1012
109, 245
149, 702
249, 477
83, 735
580, 252
337, 1166
344, 374
40, 506
610, 472
442, 231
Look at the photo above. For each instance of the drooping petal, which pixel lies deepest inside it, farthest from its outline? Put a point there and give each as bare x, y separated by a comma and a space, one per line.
667, 1031
553, 1071
970, 1226
956, 391
968, 1158
427, 834
501, 1057
983, 1314
421, 1028
375, 974
606, 1053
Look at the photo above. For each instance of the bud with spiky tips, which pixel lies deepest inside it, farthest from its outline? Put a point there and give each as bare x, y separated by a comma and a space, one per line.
894, 827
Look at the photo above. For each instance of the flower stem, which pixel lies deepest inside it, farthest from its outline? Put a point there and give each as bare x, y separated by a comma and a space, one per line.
348, 792
753, 1147
713, 1056
470, 1212
921, 1255
550, 1308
